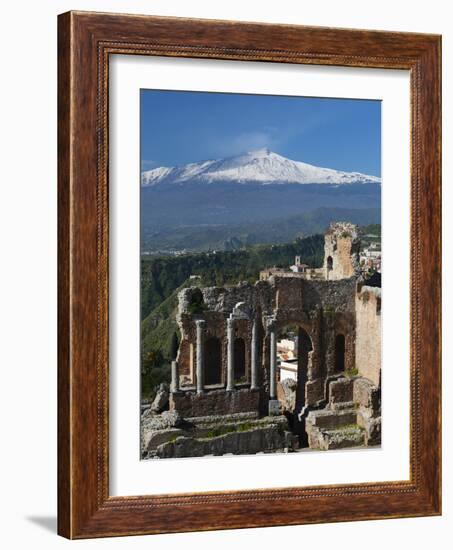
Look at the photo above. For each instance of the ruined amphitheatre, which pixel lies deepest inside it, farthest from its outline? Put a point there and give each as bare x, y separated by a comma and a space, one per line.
228, 395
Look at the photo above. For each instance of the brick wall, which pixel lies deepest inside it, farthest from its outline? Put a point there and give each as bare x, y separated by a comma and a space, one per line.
215, 402
368, 333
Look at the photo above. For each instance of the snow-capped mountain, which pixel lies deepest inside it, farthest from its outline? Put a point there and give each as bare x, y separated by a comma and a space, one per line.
260, 166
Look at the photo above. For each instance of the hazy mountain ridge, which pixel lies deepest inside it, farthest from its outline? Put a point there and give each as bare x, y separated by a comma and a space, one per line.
169, 208
196, 238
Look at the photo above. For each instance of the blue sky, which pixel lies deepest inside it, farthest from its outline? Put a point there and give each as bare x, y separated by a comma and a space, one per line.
182, 127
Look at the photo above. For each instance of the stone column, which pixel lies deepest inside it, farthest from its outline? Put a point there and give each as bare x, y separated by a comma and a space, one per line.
230, 354
200, 355
273, 362
174, 377
254, 356
274, 405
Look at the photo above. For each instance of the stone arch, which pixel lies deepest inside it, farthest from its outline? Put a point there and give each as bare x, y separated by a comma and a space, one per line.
213, 361
340, 352
239, 360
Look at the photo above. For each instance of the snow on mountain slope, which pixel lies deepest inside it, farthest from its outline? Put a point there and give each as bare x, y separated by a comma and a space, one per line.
261, 166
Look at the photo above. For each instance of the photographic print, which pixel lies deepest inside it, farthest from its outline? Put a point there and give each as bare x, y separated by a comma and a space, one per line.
260, 274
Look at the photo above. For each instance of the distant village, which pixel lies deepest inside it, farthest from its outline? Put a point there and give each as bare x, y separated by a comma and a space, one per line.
370, 257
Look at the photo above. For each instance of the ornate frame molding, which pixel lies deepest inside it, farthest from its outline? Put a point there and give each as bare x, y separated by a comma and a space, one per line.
86, 40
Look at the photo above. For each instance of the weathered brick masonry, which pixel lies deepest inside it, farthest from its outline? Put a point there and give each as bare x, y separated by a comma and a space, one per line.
227, 356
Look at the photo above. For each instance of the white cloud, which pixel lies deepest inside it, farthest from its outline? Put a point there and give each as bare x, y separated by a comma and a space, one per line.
243, 142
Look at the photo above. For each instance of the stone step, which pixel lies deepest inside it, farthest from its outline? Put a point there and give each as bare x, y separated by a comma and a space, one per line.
256, 439
329, 419
344, 438
348, 436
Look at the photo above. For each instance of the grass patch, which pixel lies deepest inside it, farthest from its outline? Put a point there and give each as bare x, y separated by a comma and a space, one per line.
348, 427
329, 310
351, 372
226, 429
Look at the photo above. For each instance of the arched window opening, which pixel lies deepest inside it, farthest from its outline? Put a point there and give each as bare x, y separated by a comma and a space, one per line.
196, 304
294, 347
213, 361
339, 352
239, 360
303, 350
329, 263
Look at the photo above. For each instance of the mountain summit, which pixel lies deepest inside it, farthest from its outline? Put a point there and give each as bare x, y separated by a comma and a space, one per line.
259, 166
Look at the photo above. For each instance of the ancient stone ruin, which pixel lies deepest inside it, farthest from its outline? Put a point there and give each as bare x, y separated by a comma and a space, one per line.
226, 394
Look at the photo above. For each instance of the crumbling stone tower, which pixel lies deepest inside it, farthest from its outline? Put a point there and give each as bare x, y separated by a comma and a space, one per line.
341, 251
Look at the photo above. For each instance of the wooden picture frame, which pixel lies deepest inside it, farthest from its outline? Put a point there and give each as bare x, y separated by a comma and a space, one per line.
85, 41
